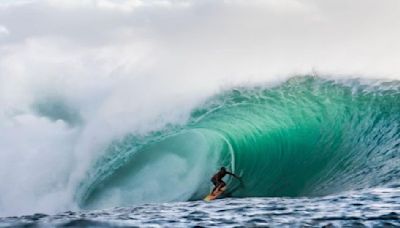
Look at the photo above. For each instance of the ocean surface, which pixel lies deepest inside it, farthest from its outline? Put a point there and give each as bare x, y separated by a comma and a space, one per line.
310, 151
378, 207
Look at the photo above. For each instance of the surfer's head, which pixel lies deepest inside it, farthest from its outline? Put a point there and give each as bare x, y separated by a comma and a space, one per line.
223, 169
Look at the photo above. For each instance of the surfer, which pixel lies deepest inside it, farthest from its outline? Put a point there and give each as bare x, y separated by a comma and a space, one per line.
217, 179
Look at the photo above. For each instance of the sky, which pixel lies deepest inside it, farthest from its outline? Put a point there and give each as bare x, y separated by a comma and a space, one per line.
235, 37
189, 45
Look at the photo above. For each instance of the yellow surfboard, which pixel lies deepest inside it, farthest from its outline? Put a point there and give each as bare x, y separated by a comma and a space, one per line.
214, 195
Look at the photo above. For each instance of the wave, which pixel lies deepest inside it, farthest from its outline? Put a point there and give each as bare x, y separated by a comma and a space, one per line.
308, 136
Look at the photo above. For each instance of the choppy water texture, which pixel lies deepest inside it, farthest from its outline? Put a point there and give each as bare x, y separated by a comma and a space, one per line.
379, 207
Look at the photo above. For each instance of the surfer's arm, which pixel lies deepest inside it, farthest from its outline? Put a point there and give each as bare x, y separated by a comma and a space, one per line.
232, 174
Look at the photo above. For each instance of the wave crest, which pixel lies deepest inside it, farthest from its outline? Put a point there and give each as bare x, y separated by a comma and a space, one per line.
306, 137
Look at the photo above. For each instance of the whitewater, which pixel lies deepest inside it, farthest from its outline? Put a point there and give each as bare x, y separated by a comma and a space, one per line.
121, 119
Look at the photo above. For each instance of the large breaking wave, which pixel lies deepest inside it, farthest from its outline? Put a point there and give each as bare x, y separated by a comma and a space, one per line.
305, 137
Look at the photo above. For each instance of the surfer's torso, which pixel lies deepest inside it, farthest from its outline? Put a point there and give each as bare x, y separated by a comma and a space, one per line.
218, 176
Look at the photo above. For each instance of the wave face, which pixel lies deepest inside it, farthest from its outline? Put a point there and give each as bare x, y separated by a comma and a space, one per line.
306, 137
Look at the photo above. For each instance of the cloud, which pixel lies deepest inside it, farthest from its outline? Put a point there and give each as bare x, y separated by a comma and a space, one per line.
127, 5
14, 3
118, 5
274, 36
251, 37
4, 31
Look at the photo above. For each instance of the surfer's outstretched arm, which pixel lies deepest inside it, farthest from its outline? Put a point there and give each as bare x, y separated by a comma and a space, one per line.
234, 175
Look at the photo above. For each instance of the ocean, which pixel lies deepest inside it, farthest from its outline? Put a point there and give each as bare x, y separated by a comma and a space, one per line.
119, 112
309, 151
376, 207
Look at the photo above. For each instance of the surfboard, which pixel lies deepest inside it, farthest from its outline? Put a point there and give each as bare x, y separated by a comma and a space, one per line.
214, 195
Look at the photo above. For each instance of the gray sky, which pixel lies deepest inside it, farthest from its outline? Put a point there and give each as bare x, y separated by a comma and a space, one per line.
333, 35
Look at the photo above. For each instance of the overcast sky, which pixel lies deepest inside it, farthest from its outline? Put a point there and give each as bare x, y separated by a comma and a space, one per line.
198, 43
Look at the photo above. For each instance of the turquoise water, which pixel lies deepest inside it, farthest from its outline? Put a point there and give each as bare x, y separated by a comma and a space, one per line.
308, 136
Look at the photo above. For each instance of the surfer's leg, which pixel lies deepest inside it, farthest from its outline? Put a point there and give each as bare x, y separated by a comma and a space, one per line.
221, 185
215, 183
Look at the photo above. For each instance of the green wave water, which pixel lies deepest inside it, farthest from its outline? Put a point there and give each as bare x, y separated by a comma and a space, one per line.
305, 137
